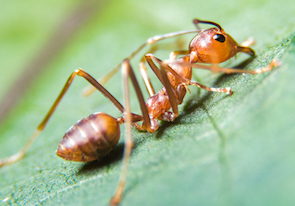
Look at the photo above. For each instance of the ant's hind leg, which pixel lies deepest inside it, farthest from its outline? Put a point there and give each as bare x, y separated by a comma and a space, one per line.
128, 145
127, 73
20, 154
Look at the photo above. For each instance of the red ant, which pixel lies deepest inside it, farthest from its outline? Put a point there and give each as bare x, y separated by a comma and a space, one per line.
96, 135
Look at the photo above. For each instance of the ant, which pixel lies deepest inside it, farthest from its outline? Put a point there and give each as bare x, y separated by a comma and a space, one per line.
96, 135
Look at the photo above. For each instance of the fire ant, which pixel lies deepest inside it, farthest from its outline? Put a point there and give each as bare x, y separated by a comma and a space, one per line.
96, 135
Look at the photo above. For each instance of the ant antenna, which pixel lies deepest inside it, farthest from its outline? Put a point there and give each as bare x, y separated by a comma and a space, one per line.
198, 21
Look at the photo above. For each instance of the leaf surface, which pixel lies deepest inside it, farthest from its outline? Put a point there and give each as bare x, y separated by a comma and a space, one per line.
221, 150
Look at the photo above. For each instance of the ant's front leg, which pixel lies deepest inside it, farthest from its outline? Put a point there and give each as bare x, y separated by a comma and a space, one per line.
162, 76
184, 80
215, 68
173, 55
249, 42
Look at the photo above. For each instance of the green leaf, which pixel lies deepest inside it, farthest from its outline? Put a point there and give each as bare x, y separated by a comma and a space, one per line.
221, 150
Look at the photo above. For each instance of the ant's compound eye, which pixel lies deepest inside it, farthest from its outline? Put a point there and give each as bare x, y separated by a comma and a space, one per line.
219, 37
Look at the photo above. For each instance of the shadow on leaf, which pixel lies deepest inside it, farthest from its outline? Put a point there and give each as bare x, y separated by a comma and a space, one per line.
114, 156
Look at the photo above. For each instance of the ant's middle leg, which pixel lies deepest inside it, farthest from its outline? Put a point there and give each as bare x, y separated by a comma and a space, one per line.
20, 154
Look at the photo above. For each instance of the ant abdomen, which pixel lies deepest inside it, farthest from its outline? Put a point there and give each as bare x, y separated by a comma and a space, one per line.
90, 138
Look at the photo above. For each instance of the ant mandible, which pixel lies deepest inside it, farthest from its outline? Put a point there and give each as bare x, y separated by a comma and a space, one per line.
96, 135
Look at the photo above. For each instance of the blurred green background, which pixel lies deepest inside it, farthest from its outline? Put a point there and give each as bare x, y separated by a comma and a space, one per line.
221, 150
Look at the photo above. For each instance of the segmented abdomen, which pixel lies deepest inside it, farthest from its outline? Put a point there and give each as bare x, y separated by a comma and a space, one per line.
90, 138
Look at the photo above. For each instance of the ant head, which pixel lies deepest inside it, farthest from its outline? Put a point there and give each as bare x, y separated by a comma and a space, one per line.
214, 45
